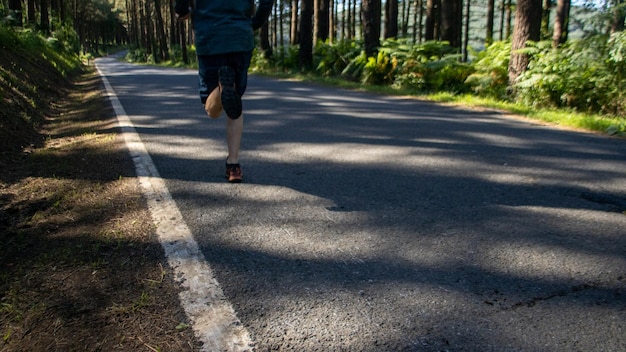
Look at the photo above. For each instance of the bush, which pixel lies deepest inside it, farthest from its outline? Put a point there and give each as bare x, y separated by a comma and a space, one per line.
491, 71
330, 59
65, 39
586, 75
431, 66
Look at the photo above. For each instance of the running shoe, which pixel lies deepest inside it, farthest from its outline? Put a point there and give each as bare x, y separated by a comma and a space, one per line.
233, 173
231, 101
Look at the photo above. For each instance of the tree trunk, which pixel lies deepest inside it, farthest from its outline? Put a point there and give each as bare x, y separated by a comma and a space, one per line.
527, 27
467, 22
160, 29
149, 32
332, 21
432, 18
264, 40
371, 25
44, 21
320, 24
561, 21
403, 19
183, 41
451, 22
491, 4
545, 18
354, 17
619, 16
294, 23
62, 11
391, 18
274, 22
305, 54
508, 8
349, 21
31, 12
418, 19
135, 24
16, 7
343, 20
174, 29
502, 14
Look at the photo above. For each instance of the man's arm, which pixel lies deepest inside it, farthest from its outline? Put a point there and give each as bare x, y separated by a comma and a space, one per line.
262, 13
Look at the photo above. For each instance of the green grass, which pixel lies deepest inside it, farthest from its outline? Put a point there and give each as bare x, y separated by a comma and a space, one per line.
562, 117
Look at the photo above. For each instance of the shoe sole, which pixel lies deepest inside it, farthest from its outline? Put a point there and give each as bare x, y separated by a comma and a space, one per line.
231, 101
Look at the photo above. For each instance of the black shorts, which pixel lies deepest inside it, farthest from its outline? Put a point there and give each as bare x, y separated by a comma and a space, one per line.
208, 65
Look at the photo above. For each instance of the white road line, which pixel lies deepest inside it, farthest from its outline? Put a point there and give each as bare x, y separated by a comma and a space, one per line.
213, 318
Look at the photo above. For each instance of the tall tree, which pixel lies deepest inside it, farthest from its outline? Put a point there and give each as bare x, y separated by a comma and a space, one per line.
491, 4
163, 51
264, 40
320, 24
16, 7
545, 18
418, 19
31, 12
502, 19
332, 21
467, 30
451, 20
174, 28
505, 20
527, 27
561, 21
509, 17
293, 26
371, 12
404, 17
432, 19
44, 20
182, 26
391, 18
305, 55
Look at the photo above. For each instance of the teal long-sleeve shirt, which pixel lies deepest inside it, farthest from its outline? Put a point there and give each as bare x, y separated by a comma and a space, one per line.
224, 26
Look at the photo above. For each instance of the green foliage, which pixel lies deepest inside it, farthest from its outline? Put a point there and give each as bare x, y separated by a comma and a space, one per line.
259, 62
431, 66
283, 59
490, 77
379, 69
356, 67
585, 75
139, 55
176, 56
33, 43
330, 59
65, 38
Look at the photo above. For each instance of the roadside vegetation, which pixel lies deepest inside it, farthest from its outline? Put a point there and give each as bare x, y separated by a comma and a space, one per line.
80, 267
580, 85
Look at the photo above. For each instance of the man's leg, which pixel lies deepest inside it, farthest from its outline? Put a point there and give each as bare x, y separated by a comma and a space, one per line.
234, 130
213, 105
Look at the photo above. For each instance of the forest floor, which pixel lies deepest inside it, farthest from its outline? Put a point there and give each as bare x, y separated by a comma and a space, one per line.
80, 265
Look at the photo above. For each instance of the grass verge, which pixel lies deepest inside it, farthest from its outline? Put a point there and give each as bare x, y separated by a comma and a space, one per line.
81, 268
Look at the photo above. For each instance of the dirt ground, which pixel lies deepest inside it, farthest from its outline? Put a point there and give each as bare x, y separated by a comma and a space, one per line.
80, 266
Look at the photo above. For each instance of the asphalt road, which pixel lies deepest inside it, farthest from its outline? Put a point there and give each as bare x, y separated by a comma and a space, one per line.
372, 223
